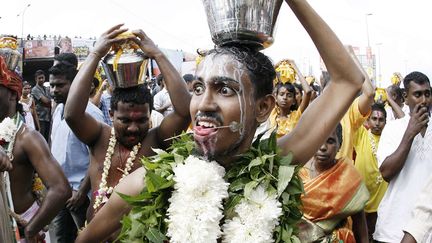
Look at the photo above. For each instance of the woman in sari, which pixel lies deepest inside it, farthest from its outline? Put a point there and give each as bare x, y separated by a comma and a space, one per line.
334, 194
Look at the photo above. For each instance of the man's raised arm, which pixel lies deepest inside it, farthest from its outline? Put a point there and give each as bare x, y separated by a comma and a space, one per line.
178, 120
330, 107
85, 127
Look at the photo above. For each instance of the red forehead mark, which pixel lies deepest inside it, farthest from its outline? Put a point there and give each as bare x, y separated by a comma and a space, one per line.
135, 114
378, 114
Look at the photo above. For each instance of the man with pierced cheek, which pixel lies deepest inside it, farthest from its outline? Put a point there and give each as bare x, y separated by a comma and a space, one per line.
232, 95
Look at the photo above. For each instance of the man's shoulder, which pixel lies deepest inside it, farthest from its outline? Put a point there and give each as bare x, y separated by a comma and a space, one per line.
158, 95
58, 110
162, 93
37, 88
29, 138
397, 125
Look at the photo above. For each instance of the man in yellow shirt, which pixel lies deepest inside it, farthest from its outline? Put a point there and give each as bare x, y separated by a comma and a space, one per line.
366, 145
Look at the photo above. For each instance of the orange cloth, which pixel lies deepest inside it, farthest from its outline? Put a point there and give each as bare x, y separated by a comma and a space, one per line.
10, 79
332, 196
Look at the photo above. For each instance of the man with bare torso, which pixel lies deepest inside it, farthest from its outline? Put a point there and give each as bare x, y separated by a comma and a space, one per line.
114, 150
23, 153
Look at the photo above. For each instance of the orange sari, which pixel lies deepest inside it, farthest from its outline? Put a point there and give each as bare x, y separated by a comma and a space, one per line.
330, 198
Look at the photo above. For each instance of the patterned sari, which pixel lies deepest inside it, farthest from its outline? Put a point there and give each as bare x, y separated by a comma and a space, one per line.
330, 198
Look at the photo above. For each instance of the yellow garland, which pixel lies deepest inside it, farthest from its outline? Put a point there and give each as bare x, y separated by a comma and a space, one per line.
395, 79
37, 184
9, 42
116, 59
286, 72
380, 93
119, 49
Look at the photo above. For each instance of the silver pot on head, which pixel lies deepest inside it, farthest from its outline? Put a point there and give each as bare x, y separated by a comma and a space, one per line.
126, 71
248, 22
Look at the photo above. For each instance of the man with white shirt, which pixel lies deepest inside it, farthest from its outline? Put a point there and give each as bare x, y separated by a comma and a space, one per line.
419, 229
162, 101
71, 153
404, 156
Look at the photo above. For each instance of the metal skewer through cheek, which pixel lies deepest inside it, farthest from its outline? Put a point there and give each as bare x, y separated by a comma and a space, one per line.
233, 126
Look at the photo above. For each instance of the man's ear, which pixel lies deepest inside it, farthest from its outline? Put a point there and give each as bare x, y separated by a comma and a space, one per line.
264, 107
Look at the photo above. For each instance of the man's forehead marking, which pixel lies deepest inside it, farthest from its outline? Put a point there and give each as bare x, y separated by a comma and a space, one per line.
377, 113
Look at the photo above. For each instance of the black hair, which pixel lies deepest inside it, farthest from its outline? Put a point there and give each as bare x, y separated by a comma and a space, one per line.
298, 86
69, 58
39, 72
338, 130
258, 66
159, 79
416, 77
188, 78
26, 83
379, 107
64, 69
139, 95
96, 82
316, 87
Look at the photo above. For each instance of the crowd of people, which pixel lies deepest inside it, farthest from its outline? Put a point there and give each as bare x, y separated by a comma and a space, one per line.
77, 156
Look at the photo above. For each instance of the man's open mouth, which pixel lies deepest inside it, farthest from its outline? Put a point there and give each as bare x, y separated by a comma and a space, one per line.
206, 127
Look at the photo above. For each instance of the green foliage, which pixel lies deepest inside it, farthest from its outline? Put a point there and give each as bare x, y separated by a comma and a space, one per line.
146, 221
260, 165
263, 165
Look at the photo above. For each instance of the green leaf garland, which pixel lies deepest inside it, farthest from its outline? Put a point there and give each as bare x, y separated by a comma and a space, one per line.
261, 165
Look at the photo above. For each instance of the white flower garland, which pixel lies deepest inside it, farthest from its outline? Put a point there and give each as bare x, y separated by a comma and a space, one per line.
196, 203
256, 218
196, 207
104, 191
8, 131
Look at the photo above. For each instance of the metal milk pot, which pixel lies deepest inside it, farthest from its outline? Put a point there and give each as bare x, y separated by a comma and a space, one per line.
131, 68
242, 21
